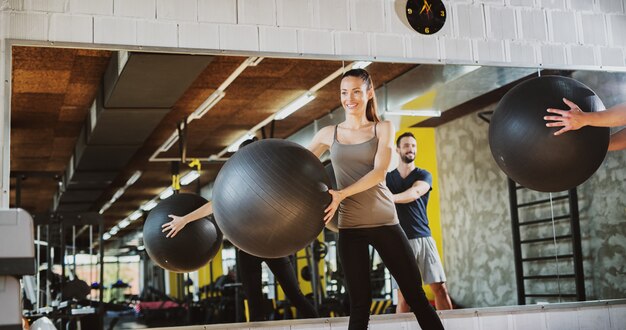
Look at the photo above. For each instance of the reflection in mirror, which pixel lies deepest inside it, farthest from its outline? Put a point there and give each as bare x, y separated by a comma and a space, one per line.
105, 131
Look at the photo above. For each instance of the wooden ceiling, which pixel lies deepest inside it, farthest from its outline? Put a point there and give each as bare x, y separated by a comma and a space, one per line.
53, 89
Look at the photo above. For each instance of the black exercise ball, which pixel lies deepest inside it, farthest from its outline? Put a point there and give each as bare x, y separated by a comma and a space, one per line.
529, 152
333, 225
193, 246
269, 198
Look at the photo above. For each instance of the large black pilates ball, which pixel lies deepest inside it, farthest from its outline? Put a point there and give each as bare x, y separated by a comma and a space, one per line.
269, 198
529, 152
195, 245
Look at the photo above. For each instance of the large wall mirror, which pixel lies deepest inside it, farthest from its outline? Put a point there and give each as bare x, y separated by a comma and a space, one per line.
102, 131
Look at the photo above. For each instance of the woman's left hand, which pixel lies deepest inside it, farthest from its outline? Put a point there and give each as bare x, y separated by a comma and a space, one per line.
334, 204
174, 226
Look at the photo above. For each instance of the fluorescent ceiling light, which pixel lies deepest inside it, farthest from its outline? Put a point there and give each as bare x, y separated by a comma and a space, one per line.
135, 215
169, 142
149, 205
118, 194
209, 103
235, 146
105, 207
114, 230
189, 177
133, 178
106, 236
414, 113
124, 223
360, 64
294, 106
166, 193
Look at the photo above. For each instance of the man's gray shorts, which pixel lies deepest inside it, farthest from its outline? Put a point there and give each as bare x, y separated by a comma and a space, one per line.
428, 261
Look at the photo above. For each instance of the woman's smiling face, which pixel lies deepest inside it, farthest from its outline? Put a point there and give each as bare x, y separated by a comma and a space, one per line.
354, 95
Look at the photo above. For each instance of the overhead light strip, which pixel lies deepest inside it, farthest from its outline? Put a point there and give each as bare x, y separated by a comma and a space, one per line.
294, 106
133, 178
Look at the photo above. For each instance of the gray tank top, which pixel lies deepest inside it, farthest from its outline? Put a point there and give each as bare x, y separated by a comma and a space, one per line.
370, 208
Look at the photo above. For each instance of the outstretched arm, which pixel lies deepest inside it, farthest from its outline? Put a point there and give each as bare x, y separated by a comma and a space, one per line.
618, 140
178, 222
417, 190
575, 118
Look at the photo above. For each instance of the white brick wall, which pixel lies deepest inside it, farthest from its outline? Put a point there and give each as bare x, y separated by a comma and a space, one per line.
352, 43
501, 32
553, 55
260, 12
582, 55
192, 35
611, 6
532, 24
581, 5
617, 29
522, 3
71, 28
158, 34
111, 30
562, 26
217, 11
522, 52
182, 10
46, 5
500, 23
593, 29
135, 8
239, 37
294, 13
612, 57
315, 42
273, 39
332, 15
423, 47
552, 4
367, 15
457, 50
96, 7
388, 45
469, 21
27, 25
486, 51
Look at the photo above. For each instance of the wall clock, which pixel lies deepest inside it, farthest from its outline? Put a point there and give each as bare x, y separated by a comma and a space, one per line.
426, 16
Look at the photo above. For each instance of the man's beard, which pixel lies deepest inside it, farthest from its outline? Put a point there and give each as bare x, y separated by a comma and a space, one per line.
408, 159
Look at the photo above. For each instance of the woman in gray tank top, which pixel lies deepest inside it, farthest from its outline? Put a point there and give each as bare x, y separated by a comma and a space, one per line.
361, 148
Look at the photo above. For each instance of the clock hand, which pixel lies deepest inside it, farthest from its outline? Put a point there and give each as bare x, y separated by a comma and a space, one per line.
426, 7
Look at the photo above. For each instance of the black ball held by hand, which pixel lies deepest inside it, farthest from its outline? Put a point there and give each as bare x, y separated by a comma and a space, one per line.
529, 152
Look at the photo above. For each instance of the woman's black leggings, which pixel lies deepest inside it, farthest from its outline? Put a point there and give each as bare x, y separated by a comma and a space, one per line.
250, 275
393, 248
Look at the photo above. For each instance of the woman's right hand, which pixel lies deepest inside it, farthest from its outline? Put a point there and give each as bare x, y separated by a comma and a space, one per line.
174, 226
337, 196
